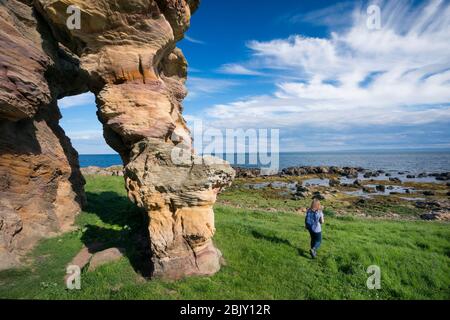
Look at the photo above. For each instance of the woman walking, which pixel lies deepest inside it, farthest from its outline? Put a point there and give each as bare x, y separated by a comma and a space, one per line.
313, 223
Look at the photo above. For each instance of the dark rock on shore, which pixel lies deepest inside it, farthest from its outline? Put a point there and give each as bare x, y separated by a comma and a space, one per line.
368, 190
428, 193
422, 175
397, 180
349, 172
334, 183
427, 205
317, 195
247, 172
301, 192
441, 176
442, 215
380, 188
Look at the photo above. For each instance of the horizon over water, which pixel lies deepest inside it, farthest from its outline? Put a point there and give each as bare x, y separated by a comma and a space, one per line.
413, 161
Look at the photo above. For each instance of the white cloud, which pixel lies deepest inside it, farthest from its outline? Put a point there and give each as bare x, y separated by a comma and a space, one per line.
86, 135
356, 77
233, 68
89, 142
77, 101
202, 87
193, 40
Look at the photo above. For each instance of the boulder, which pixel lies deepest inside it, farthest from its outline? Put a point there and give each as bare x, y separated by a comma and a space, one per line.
357, 182
106, 256
334, 182
427, 205
442, 215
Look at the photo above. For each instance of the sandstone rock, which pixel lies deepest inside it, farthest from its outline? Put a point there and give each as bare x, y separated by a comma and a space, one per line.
82, 258
106, 256
41, 187
125, 54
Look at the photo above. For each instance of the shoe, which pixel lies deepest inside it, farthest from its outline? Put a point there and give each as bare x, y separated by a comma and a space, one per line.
313, 253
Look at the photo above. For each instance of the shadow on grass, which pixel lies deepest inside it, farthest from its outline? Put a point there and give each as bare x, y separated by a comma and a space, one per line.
275, 239
128, 230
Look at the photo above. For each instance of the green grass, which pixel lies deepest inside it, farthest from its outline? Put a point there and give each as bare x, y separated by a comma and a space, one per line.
266, 255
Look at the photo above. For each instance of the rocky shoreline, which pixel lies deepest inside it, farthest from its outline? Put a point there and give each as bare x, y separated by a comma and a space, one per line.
364, 189
108, 171
327, 183
298, 171
348, 172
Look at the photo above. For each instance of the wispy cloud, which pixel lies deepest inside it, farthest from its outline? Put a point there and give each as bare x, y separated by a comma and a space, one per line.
193, 40
336, 15
86, 135
238, 69
203, 87
77, 101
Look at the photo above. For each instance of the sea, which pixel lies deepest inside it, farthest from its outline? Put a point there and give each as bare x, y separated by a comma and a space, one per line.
416, 161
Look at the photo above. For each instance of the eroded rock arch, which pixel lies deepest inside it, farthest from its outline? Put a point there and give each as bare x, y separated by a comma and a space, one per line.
125, 53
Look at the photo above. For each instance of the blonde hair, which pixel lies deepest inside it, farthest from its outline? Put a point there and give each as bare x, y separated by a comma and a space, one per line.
315, 205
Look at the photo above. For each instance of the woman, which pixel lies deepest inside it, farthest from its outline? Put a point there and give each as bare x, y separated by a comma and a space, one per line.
313, 223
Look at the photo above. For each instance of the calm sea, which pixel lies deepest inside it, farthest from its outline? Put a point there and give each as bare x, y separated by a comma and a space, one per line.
388, 160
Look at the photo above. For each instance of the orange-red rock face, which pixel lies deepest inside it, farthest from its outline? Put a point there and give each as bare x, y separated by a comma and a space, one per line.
126, 55
41, 187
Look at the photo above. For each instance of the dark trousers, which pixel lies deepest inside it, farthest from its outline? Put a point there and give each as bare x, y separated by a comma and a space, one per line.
316, 239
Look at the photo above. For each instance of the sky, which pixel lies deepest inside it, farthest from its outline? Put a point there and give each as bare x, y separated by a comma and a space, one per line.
328, 75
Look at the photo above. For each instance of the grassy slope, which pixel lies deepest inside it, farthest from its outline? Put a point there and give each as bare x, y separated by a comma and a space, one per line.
266, 256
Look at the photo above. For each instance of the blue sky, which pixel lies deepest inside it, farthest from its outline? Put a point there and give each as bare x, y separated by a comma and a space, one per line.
312, 69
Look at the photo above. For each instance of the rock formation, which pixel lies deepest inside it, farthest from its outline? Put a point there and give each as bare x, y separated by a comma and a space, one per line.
125, 53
